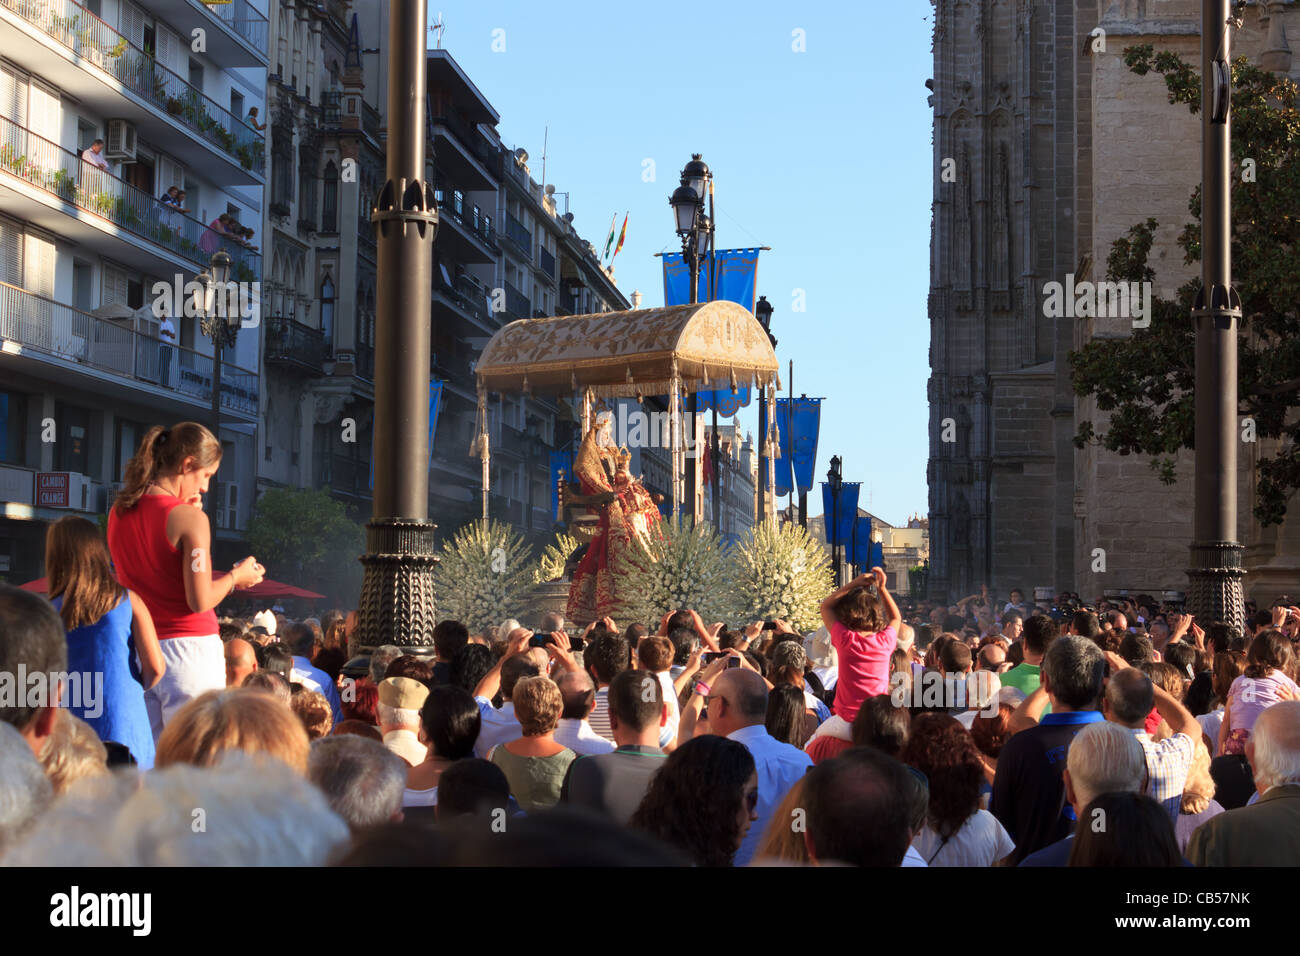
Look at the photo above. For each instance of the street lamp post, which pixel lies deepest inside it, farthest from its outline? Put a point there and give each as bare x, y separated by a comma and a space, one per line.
219, 320
763, 310
397, 596
1215, 590
835, 478
695, 228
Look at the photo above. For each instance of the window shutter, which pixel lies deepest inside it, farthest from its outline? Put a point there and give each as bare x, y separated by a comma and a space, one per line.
131, 23
114, 290
11, 252
173, 52
13, 95
45, 115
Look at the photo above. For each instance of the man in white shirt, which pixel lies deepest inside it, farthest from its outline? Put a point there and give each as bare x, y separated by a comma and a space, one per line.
167, 340
573, 731
94, 155
737, 702
400, 700
500, 726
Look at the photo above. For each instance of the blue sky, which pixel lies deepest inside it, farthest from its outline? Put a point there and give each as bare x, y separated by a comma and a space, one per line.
824, 155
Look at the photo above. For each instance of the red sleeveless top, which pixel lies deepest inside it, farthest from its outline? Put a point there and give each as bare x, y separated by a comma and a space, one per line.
147, 564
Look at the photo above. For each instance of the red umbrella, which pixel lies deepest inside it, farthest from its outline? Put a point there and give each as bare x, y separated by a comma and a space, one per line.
267, 589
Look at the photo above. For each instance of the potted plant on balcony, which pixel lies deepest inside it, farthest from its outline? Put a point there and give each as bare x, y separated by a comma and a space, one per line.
62, 183
174, 106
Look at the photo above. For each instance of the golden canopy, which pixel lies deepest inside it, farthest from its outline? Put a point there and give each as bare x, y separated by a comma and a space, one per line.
622, 354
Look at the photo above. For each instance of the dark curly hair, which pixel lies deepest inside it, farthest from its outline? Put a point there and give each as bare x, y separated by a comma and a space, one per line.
940, 748
694, 799
862, 610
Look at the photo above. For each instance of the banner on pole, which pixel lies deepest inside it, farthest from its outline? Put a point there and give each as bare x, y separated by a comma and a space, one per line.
805, 423
848, 510
783, 476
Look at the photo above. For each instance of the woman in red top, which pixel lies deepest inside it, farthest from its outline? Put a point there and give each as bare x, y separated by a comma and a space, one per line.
161, 543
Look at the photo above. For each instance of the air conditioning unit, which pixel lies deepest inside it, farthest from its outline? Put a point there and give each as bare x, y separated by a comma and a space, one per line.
120, 142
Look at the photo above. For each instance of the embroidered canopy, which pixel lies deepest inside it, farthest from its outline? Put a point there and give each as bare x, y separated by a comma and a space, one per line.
711, 345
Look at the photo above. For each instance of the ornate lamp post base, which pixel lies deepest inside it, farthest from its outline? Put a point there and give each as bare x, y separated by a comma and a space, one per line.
1215, 589
397, 603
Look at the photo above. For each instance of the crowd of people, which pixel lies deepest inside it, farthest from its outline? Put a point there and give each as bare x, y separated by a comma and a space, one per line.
918, 735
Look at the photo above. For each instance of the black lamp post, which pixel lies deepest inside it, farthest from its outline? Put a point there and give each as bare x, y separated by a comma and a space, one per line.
1215, 590
763, 311
219, 320
695, 228
397, 597
835, 478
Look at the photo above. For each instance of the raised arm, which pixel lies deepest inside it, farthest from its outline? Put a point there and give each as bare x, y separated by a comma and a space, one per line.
828, 605
1180, 718
491, 682
891, 607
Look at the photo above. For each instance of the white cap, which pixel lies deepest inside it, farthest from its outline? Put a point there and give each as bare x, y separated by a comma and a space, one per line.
821, 652
265, 619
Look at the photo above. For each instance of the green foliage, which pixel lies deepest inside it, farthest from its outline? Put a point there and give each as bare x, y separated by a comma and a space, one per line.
304, 537
1145, 381
482, 575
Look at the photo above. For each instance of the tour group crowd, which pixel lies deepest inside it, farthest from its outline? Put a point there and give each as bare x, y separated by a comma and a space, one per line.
138, 728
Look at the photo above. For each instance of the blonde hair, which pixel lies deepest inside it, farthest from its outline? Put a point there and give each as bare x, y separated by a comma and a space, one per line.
782, 841
538, 704
1198, 791
233, 719
313, 710
72, 752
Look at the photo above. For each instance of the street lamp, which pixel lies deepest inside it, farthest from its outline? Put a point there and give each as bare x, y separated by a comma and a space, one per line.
835, 478
763, 311
695, 228
219, 320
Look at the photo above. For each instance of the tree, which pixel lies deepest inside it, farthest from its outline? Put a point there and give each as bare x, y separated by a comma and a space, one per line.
1146, 380
305, 536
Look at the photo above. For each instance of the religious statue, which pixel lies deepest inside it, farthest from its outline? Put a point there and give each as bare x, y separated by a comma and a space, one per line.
627, 522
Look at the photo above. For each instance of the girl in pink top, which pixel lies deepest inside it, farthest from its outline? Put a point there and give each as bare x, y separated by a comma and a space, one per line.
863, 622
161, 544
1265, 682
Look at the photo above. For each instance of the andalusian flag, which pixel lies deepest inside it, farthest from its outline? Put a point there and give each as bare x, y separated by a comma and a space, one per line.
621, 236
610, 241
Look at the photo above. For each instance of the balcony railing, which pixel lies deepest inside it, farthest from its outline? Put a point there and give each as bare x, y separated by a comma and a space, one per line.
43, 325
452, 202
331, 109
345, 475
293, 344
520, 236
240, 17
62, 173
470, 138
95, 42
517, 303
546, 262
467, 295
371, 121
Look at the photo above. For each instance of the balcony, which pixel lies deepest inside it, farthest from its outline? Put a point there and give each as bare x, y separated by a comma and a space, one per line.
62, 174
468, 298
471, 237
467, 158
161, 100
294, 346
345, 476
521, 237
546, 263
75, 345
517, 304
240, 40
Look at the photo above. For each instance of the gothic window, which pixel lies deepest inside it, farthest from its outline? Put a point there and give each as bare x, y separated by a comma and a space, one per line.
306, 188
329, 217
327, 312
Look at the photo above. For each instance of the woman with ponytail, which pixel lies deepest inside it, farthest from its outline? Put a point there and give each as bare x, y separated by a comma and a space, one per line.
161, 545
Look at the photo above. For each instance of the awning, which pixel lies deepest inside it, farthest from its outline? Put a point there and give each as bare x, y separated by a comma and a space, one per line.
714, 345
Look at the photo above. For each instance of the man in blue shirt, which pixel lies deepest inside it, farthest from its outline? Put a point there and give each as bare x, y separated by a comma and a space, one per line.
301, 641
1029, 789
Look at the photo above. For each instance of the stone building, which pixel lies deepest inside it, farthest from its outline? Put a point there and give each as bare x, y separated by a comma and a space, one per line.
1046, 149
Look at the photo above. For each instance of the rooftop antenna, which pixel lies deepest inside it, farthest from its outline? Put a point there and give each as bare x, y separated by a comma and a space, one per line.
436, 29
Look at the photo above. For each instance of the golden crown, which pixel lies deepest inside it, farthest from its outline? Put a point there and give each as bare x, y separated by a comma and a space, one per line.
624, 456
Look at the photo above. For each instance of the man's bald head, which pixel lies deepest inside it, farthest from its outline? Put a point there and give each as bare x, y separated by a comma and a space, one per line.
1274, 746
578, 692
745, 694
241, 660
1129, 697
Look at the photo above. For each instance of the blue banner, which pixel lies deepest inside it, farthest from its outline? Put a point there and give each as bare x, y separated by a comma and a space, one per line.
782, 474
804, 426
677, 280
860, 552
877, 555
561, 461
435, 402
735, 274
848, 510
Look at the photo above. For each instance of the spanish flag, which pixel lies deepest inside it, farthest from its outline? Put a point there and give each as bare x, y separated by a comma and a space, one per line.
621, 236
610, 241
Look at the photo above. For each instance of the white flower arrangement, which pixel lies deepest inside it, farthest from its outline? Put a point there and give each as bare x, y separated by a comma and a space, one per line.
780, 574
550, 567
689, 571
482, 575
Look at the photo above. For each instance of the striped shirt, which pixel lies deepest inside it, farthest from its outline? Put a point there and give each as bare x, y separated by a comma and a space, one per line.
598, 719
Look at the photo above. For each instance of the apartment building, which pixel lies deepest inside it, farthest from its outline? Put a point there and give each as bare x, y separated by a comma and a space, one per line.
87, 249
